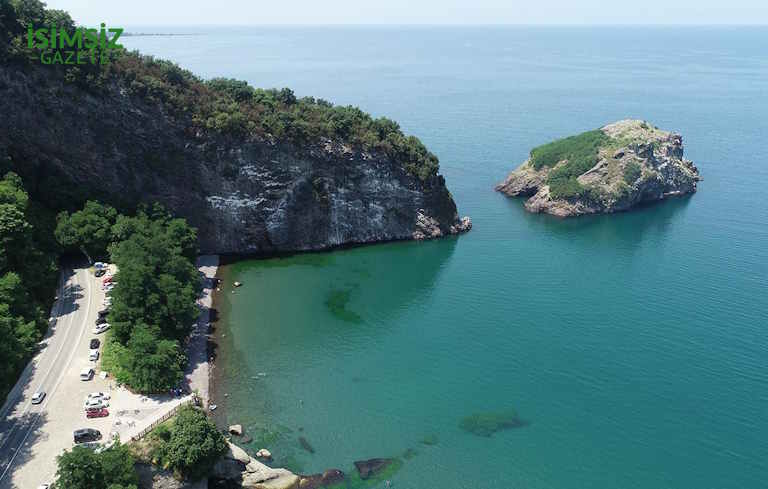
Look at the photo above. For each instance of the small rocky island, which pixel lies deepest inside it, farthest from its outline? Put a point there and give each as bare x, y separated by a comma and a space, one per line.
610, 169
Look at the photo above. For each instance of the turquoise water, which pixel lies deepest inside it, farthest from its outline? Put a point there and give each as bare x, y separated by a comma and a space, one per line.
634, 345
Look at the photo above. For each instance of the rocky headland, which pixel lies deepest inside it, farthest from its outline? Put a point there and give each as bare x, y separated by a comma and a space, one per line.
255, 171
610, 169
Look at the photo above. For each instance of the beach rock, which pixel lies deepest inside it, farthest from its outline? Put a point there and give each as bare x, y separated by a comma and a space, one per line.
634, 163
367, 468
245, 193
236, 453
236, 429
264, 453
237, 466
327, 478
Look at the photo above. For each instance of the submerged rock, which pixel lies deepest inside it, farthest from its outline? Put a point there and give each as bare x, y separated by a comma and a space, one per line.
370, 467
486, 424
327, 478
305, 445
607, 170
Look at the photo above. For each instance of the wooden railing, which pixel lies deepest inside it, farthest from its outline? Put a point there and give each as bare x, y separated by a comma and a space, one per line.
165, 417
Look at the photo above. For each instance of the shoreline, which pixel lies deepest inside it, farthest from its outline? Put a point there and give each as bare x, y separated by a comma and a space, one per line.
197, 373
219, 415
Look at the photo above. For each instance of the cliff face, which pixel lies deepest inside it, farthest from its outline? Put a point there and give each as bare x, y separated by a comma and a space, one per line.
634, 162
244, 194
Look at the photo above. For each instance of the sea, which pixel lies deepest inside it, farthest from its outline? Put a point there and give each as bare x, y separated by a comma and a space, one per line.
631, 349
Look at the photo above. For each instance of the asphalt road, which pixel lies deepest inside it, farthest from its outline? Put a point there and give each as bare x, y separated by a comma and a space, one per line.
32, 435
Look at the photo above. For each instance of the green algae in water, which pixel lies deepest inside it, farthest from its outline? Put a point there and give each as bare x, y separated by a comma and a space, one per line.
486, 424
410, 453
337, 302
352, 479
429, 440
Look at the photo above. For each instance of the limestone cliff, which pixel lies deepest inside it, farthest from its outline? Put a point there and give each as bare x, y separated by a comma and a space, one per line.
248, 193
609, 170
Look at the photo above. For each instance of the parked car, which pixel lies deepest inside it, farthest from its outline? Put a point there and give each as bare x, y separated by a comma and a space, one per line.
103, 312
98, 395
108, 279
86, 374
97, 413
86, 435
44, 486
100, 265
95, 404
38, 397
101, 320
100, 272
93, 355
101, 328
94, 343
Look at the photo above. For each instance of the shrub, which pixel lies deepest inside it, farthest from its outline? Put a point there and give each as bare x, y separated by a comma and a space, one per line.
632, 172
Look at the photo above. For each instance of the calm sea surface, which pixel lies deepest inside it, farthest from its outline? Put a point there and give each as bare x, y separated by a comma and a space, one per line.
634, 345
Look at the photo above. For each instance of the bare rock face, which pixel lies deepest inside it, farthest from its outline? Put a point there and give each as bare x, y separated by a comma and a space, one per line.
635, 162
239, 467
246, 195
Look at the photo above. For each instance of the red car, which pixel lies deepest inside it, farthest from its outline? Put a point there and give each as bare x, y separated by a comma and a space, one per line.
107, 279
97, 413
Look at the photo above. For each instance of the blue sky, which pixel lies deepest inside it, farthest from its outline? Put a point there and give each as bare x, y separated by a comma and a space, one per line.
197, 12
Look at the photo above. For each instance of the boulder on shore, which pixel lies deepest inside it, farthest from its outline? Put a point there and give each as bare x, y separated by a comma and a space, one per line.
236, 429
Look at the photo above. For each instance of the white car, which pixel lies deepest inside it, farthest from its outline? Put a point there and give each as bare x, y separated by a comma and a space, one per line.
95, 403
38, 397
44, 486
101, 328
98, 395
93, 355
86, 374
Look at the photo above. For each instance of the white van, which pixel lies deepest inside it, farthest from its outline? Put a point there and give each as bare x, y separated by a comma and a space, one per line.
86, 374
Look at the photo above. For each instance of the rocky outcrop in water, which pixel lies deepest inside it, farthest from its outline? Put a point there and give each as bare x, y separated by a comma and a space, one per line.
627, 163
245, 194
239, 467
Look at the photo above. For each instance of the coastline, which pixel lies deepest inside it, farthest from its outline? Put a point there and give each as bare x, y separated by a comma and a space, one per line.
197, 374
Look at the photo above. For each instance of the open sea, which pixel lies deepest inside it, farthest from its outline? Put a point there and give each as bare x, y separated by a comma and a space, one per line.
633, 346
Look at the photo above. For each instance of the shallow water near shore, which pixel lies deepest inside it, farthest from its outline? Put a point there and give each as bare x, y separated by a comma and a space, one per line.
633, 346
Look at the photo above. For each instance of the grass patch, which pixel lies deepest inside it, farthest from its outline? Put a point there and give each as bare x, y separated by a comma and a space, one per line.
632, 172
486, 424
580, 151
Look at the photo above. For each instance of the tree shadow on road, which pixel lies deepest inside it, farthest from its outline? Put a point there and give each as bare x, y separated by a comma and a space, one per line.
17, 451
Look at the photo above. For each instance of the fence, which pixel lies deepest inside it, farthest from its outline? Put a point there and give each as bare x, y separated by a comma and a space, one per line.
141, 434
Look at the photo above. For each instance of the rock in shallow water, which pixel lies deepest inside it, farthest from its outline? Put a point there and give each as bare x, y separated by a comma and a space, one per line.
370, 467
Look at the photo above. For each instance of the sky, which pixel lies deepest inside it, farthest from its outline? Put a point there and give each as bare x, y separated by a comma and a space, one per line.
258, 12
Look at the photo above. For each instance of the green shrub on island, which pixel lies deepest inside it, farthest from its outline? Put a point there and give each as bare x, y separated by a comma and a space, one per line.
580, 153
632, 172
84, 468
189, 446
486, 424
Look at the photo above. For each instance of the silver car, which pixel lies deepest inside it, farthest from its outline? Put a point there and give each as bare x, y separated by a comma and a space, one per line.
38, 397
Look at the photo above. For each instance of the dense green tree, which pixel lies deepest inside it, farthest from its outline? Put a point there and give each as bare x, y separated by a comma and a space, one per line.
193, 446
150, 363
83, 468
79, 468
89, 229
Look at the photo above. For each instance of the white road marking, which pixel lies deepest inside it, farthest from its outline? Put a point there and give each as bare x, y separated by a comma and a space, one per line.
61, 377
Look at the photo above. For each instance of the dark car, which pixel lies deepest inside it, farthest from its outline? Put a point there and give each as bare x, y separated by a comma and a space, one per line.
95, 343
86, 434
101, 320
97, 413
103, 312
100, 272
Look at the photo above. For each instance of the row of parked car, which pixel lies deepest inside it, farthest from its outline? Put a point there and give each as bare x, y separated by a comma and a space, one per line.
96, 403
